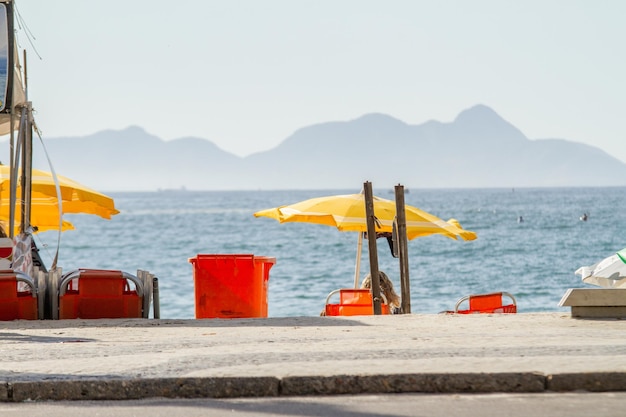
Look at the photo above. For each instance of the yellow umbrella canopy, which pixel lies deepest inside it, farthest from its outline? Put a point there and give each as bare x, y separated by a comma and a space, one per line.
347, 213
76, 198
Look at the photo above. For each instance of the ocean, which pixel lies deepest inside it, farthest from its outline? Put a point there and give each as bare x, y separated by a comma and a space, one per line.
534, 260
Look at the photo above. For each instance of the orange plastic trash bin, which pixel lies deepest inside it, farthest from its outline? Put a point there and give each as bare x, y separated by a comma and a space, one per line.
231, 286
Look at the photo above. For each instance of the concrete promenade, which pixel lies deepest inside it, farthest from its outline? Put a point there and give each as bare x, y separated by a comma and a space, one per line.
132, 359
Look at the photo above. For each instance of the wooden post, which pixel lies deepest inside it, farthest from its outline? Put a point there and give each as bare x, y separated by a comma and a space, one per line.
371, 240
403, 250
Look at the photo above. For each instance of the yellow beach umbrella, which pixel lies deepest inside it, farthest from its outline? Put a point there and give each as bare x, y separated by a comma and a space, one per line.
76, 198
42, 219
347, 213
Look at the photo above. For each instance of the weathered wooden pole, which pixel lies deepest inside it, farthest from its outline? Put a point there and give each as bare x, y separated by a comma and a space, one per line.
403, 250
371, 240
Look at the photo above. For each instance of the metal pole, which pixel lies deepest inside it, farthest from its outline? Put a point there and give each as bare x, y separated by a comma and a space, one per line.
357, 266
27, 156
14, 147
371, 239
11, 178
16, 175
13, 164
403, 250
156, 304
27, 169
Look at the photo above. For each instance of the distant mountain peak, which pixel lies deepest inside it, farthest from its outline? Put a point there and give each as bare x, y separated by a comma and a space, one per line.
483, 120
378, 119
130, 130
478, 114
134, 129
131, 133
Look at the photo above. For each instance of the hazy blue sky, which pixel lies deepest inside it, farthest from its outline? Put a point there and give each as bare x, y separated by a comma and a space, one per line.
247, 74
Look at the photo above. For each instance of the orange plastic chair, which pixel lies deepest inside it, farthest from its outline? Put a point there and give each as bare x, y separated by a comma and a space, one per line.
17, 302
98, 294
353, 302
487, 303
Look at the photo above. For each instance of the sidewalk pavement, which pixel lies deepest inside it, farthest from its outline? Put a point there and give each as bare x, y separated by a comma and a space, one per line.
144, 358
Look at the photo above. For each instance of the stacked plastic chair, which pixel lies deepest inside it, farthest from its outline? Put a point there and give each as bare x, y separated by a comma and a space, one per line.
353, 302
18, 296
19, 292
98, 294
487, 303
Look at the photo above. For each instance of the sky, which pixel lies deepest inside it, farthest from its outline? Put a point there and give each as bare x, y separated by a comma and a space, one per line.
247, 74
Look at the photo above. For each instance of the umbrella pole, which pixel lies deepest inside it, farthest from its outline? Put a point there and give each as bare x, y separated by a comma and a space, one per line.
403, 251
371, 240
357, 266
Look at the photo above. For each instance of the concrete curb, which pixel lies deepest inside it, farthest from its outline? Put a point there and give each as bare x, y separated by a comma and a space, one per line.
233, 387
591, 381
126, 389
426, 383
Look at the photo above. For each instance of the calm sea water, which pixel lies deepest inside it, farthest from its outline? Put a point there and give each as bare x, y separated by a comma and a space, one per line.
535, 260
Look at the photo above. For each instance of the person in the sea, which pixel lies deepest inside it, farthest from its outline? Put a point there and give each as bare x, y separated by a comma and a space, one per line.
386, 287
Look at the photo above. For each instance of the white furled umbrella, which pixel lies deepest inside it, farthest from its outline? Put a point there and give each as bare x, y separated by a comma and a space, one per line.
608, 273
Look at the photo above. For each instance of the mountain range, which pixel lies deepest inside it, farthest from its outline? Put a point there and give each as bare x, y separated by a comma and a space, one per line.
479, 149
